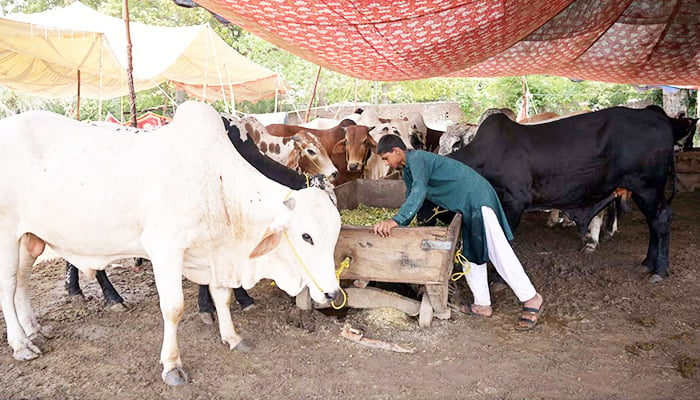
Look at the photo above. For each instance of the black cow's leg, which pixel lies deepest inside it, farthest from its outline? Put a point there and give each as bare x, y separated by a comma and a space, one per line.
243, 299
662, 225
111, 296
206, 305
72, 281
658, 216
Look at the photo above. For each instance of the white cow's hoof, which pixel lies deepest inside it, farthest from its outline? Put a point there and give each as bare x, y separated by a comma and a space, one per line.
655, 278
175, 377
207, 318
243, 347
27, 352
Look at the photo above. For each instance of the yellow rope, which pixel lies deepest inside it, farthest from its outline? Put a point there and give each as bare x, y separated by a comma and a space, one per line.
436, 212
343, 265
462, 260
303, 265
312, 162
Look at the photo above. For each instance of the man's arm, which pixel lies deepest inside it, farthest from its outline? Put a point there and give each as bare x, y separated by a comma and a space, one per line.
416, 189
416, 193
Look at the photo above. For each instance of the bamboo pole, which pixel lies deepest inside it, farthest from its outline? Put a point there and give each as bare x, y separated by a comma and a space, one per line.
77, 108
313, 94
129, 67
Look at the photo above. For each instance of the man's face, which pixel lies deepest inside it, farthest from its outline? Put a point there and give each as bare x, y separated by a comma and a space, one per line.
394, 158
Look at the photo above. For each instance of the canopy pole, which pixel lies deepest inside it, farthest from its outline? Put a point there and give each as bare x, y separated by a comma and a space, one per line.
277, 91
77, 107
313, 94
129, 67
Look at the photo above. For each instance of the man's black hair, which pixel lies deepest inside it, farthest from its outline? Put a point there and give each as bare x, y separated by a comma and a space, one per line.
387, 143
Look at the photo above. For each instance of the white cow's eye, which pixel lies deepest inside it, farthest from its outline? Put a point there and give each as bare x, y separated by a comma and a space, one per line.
311, 152
307, 238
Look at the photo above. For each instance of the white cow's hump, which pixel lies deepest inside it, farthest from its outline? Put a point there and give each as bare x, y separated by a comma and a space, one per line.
198, 119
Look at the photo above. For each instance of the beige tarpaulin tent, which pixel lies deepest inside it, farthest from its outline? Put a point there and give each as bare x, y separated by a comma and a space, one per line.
42, 53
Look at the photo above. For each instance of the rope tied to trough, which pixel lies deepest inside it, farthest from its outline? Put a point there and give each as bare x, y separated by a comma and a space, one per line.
462, 260
341, 267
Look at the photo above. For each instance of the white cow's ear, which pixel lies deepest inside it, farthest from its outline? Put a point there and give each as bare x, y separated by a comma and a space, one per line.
267, 243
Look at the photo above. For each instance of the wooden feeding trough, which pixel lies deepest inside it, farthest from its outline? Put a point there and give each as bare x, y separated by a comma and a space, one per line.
688, 170
412, 255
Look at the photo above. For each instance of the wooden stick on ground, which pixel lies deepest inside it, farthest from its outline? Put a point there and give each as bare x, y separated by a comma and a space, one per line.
357, 336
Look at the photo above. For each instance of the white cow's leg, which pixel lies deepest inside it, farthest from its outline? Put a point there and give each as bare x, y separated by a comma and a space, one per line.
590, 242
23, 348
222, 302
167, 270
25, 313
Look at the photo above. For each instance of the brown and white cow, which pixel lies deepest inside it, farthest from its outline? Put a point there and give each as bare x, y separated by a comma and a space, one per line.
302, 151
344, 142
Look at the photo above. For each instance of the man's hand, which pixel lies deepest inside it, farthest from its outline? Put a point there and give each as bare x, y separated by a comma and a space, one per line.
384, 228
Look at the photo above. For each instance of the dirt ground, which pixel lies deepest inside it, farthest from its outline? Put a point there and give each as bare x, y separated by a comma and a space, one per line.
606, 333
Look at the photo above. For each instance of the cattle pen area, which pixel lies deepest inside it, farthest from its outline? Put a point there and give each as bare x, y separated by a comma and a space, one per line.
606, 333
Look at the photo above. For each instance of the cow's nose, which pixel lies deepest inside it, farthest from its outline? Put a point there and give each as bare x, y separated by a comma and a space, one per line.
353, 167
334, 174
330, 296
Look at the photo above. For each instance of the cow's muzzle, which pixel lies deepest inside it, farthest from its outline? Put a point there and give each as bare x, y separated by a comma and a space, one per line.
331, 296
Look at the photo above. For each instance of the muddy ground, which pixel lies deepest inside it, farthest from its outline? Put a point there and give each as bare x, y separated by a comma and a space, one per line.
606, 333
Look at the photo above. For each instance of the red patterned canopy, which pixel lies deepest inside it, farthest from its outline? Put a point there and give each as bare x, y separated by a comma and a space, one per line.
623, 41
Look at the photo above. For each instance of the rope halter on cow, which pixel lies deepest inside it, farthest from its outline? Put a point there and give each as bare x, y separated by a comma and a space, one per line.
301, 151
344, 264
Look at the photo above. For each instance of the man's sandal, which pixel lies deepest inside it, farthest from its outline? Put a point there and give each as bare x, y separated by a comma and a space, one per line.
532, 314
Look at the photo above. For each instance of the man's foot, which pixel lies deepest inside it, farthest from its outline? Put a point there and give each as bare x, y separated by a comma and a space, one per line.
477, 310
532, 309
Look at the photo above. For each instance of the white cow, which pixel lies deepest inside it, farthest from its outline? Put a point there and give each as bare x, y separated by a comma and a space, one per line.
376, 168
192, 205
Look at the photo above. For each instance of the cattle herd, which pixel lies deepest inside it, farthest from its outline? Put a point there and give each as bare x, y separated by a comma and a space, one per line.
226, 201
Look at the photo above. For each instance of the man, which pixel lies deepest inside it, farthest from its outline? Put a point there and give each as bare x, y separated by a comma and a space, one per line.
485, 230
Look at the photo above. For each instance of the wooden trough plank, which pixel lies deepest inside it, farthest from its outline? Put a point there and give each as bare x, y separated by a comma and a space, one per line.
397, 258
386, 193
371, 297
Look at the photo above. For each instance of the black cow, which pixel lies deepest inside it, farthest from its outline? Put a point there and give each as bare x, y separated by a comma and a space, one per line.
268, 167
576, 164
683, 128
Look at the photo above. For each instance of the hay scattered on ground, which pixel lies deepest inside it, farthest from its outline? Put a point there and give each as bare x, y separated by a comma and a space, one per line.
388, 317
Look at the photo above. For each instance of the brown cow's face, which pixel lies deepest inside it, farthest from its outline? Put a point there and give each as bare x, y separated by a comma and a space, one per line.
313, 158
359, 144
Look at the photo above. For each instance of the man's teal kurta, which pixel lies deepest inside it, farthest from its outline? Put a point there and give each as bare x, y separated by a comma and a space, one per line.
455, 187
